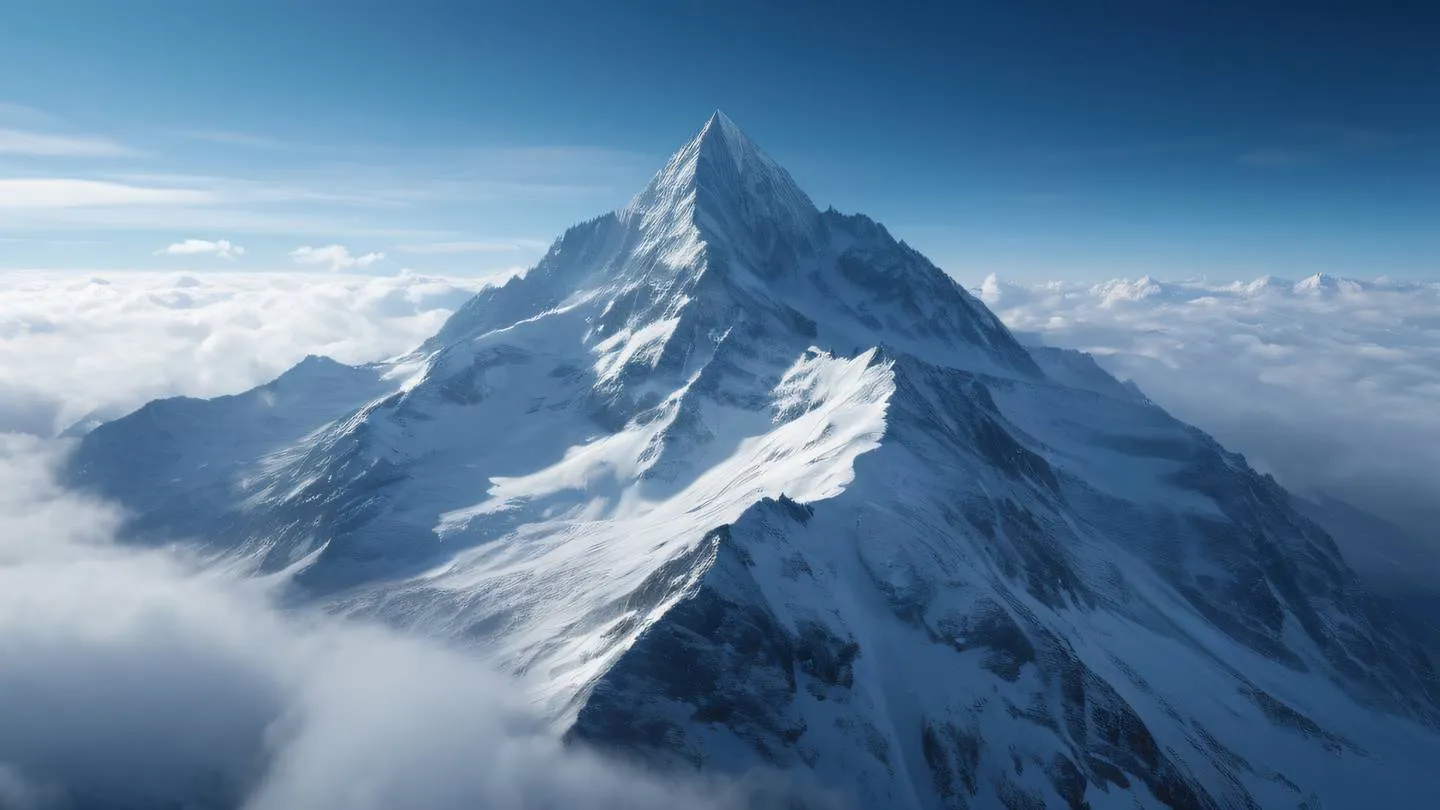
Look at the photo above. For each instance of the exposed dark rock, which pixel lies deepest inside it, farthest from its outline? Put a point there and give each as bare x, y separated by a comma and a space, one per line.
1015, 797
1286, 717
1068, 781
825, 657
989, 627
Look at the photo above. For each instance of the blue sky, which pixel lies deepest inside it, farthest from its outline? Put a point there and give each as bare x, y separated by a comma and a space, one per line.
1034, 140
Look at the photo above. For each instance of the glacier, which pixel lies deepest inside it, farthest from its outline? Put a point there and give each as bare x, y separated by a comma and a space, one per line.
728, 481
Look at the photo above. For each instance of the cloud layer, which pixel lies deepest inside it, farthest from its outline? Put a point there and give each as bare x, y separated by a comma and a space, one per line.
1328, 383
72, 344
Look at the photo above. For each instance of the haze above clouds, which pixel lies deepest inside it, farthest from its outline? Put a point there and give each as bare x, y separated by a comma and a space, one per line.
1329, 384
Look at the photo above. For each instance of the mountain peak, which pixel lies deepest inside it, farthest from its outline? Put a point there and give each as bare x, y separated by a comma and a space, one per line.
721, 134
719, 117
722, 183
723, 124
1324, 283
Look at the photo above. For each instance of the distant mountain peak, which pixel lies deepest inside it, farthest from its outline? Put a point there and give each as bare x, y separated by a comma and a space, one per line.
1324, 283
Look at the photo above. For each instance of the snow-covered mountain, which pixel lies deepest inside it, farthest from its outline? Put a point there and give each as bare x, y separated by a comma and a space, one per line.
1325, 284
727, 480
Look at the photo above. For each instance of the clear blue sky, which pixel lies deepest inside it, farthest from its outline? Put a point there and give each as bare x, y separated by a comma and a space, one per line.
1036, 140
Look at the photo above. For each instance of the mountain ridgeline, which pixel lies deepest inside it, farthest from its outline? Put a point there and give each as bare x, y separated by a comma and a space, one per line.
727, 481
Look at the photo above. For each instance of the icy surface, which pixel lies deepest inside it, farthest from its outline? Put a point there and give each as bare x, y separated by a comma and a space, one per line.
728, 480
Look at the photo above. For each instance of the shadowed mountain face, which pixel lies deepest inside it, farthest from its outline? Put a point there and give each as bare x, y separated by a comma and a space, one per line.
1394, 564
729, 481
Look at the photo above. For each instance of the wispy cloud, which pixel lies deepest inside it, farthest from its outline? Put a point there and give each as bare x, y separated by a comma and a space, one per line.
338, 257
355, 191
1151, 148
555, 161
1347, 138
538, 172
1301, 144
45, 144
26, 116
213, 218
169, 202
220, 248
318, 189
57, 192
244, 139
28, 131
1319, 143
476, 246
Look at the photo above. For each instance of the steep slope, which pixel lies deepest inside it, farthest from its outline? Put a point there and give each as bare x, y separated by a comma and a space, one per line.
729, 480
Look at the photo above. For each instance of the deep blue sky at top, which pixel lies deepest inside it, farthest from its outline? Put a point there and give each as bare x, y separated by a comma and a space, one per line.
1034, 139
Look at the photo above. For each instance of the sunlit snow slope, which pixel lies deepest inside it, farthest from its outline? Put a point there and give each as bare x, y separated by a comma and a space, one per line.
730, 481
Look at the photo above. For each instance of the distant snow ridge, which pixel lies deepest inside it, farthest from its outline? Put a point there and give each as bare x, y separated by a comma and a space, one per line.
1121, 290
729, 481
1321, 284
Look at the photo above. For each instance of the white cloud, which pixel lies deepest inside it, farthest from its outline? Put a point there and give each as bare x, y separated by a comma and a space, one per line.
44, 144
53, 192
73, 343
220, 248
1330, 384
133, 678
336, 256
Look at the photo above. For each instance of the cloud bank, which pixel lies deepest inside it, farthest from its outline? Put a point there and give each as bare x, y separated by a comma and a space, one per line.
74, 344
1330, 384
